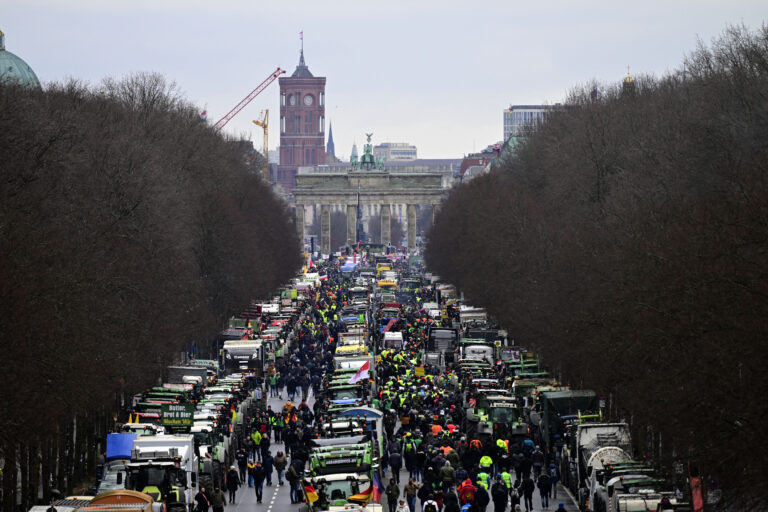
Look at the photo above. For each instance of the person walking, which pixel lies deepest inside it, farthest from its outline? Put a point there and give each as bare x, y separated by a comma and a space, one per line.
537, 458
202, 500
544, 484
451, 502
280, 462
218, 500
395, 462
554, 477
259, 474
410, 491
267, 463
514, 499
482, 499
233, 482
242, 462
393, 493
500, 496
423, 494
527, 487
293, 480
448, 476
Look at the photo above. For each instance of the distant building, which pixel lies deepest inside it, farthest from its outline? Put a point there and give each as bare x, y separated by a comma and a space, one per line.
520, 120
476, 164
395, 152
14, 69
302, 123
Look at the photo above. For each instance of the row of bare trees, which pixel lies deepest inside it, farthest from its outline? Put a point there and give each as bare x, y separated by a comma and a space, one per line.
627, 240
129, 227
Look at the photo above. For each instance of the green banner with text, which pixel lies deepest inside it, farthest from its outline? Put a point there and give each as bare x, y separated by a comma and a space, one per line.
177, 415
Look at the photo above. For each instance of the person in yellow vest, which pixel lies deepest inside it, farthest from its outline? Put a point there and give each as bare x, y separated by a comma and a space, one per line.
486, 463
484, 479
256, 438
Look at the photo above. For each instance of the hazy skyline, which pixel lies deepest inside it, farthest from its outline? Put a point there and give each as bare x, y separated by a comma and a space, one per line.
434, 74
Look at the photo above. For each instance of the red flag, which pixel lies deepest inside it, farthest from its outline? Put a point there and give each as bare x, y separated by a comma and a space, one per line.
361, 374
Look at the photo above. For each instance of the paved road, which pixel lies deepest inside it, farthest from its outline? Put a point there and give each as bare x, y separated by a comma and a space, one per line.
278, 499
562, 493
275, 498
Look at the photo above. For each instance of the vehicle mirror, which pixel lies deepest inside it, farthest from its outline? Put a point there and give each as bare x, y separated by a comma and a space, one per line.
119, 478
194, 479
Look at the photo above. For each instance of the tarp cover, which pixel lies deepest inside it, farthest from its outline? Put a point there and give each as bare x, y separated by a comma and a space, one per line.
119, 446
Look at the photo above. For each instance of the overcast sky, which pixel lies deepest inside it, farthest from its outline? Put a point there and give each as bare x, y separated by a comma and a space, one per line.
435, 74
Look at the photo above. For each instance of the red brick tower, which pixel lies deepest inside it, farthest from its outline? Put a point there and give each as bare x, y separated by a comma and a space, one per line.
302, 123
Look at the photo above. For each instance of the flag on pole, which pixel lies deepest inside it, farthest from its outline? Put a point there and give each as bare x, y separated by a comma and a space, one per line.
204, 114
301, 35
312, 496
361, 374
378, 487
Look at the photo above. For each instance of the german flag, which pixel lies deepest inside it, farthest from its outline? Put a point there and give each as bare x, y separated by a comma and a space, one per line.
312, 496
363, 497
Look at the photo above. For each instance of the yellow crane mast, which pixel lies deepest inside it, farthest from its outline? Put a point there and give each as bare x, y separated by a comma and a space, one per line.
263, 121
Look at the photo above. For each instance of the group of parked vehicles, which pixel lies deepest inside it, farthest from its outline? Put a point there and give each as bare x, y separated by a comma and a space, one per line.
183, 434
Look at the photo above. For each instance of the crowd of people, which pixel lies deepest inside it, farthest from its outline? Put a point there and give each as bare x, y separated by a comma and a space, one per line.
424, 420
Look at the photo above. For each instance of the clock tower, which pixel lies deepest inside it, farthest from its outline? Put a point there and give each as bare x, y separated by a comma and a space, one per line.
302, 123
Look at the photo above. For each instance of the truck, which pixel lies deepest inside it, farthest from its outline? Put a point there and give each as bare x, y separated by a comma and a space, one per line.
341, 472
557, 408
166, 468
441, 342
244, 355
613, 439
477, 349
118, 452
497, 415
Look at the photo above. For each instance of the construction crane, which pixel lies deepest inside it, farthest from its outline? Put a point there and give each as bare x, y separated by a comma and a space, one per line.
263, 121
240, 106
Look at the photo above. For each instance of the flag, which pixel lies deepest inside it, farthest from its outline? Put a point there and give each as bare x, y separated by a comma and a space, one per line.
312, 496
361, 374
378, 488
301, 35
204, 114
364, 496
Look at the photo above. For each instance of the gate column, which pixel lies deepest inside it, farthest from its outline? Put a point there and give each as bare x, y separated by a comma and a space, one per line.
325, 229
386, 216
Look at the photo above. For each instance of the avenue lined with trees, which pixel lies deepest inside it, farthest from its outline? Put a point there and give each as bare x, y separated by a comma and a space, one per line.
131, 228
626, 240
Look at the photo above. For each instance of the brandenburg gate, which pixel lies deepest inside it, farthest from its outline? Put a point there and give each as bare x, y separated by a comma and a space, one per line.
366, 183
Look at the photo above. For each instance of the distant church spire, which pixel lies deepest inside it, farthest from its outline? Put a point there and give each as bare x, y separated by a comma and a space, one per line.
330, 149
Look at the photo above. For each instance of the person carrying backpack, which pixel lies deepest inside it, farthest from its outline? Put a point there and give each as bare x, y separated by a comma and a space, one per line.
430, 505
